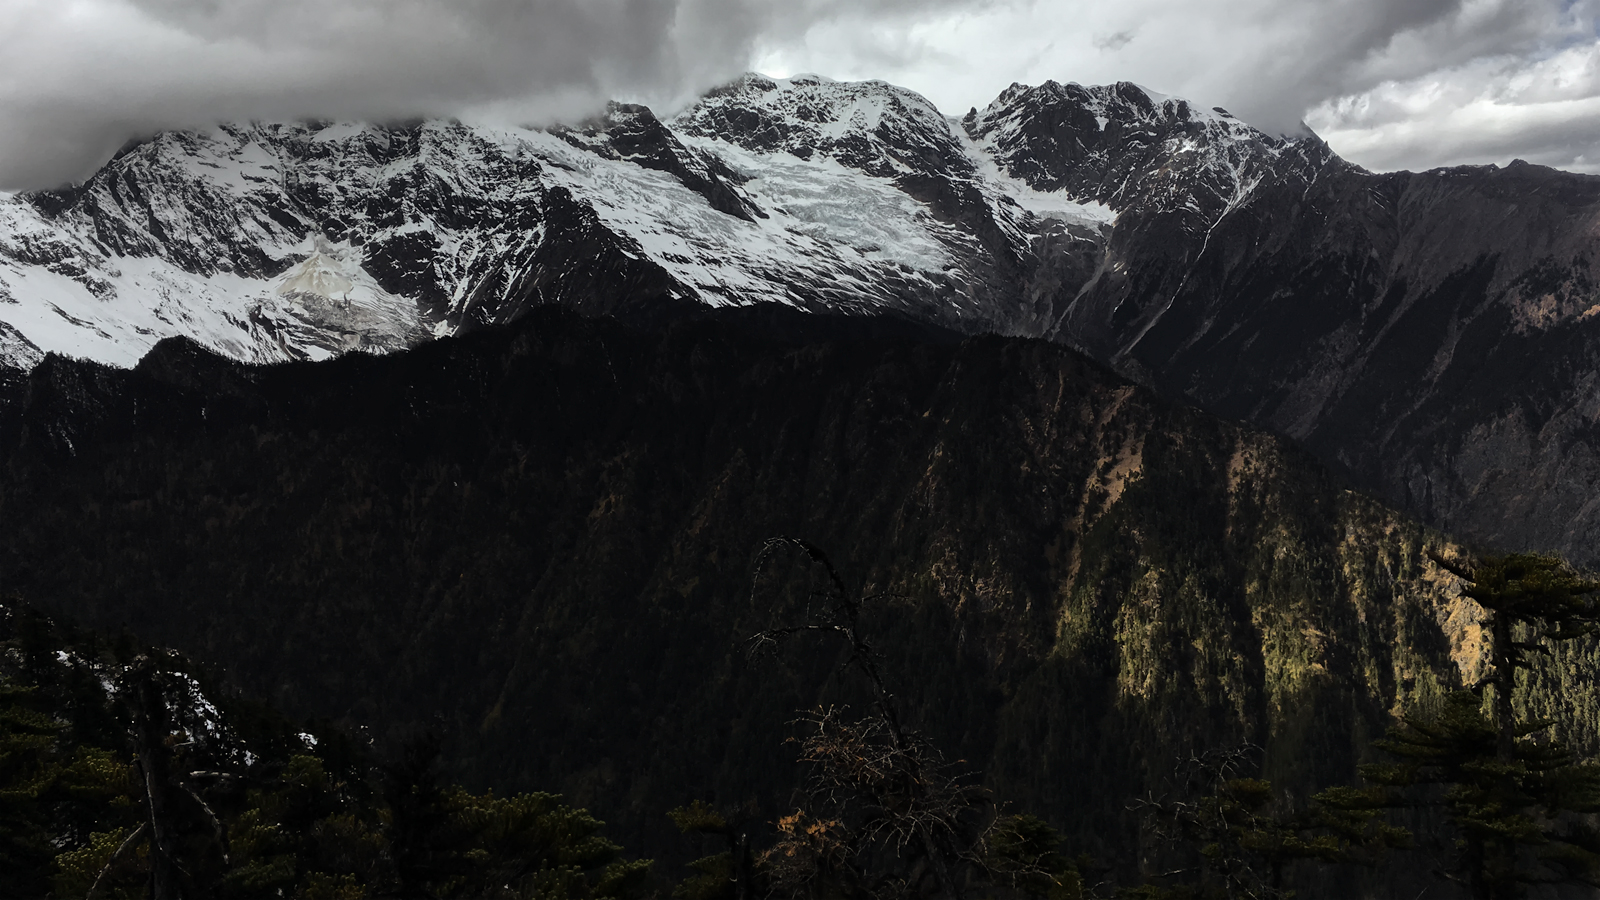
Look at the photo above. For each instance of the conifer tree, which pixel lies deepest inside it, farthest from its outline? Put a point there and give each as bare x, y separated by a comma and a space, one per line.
1531, 600
728, 875
29, 768
1241, 839
1023, 852
1518, 800
119, 780
1520, 821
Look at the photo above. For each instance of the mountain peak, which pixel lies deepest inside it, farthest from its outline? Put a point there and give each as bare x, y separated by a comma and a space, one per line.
871, 126
1098, 141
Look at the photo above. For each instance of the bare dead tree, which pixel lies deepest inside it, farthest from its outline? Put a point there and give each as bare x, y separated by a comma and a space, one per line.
150, 729
1240, 838
1199, 809
885, 778
167, 787
833, 611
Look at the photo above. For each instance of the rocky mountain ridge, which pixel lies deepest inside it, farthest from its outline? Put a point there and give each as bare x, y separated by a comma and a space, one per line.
1429, 333
852, 197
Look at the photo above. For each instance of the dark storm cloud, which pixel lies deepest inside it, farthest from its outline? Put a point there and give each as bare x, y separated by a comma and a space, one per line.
1390, 82
78, 77
1319, 51
1497, 81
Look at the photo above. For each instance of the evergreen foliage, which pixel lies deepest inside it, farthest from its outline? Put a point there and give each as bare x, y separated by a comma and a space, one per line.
1024, 853
726, 875
119, 778
1232, 835
538, 540
1522, 804
1520, 821
1525, 592
542, 538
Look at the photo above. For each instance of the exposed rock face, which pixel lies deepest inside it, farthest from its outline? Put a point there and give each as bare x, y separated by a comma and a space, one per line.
633, 133
1431, 333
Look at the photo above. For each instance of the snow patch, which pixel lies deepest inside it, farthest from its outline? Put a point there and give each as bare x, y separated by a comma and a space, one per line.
826, 223
1058, 205
323, 274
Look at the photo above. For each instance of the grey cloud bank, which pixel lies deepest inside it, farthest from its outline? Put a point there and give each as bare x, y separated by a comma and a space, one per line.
1390, 83
79, 77
1407, 84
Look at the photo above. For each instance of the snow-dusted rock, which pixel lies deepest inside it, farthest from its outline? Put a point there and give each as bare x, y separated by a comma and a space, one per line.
291, 241
1430, 332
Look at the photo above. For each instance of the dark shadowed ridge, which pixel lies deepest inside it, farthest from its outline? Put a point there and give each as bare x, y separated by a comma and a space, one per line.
538, 539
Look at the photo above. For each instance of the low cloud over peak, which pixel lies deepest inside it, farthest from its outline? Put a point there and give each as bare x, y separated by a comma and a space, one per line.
79, 77
1388, 82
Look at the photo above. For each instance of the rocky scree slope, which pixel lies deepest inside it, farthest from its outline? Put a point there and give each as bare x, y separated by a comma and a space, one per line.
539, 538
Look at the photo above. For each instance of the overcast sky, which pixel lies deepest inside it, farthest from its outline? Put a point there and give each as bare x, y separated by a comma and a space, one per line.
1389, 83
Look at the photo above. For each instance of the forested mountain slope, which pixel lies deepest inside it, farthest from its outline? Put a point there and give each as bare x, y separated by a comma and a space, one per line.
539, 540
125, 771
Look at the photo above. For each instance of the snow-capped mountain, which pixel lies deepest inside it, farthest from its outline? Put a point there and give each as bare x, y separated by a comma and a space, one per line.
281, 241
1431, 333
